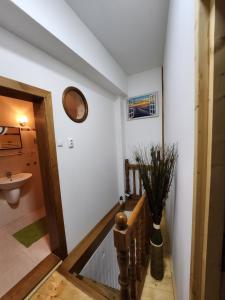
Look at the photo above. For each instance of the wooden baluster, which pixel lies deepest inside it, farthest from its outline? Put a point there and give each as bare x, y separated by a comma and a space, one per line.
133, 275
127, 188
134, 184
147, 225
143, 237
138, 249
140, 184
122, 248
150, 225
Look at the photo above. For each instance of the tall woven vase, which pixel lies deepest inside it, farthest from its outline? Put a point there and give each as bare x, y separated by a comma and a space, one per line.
157, 265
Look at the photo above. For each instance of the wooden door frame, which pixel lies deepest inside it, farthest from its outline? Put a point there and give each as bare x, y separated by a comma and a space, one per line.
47, 155
208, 205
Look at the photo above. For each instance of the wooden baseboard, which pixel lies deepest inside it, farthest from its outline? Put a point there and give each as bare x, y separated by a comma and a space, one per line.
31, 280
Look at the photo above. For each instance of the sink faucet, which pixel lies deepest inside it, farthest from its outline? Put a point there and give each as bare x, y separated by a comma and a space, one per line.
9, 175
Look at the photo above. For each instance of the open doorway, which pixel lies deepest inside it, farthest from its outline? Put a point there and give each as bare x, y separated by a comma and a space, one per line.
32, 223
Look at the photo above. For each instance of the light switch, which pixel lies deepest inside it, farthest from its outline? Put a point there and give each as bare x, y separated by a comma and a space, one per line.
70, 143
60, 143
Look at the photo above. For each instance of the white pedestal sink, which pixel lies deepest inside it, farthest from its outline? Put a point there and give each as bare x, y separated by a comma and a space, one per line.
11, 186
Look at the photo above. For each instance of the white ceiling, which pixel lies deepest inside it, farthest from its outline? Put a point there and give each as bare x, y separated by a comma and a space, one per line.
133, 31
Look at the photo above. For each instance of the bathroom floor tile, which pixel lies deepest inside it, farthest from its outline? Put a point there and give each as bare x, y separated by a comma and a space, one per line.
20, 223
40, 249
16, 260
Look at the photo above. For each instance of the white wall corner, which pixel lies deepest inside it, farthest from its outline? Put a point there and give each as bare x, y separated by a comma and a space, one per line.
120, 144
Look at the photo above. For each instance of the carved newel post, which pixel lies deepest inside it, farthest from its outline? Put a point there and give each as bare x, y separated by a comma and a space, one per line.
122, 247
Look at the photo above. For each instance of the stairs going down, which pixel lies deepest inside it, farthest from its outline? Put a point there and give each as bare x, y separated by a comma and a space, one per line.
105, 291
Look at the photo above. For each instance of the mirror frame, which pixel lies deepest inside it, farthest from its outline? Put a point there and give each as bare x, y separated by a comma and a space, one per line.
13, 134
66, 91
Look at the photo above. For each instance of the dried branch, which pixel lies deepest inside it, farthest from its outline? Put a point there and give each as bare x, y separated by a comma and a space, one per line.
156, 169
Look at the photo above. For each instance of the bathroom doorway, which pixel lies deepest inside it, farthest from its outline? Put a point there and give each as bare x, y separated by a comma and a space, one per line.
33, 221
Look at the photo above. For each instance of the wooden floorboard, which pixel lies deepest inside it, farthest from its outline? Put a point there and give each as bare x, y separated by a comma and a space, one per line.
58, 287
161, 290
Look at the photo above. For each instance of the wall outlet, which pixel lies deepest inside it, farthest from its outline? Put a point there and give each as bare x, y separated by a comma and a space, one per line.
70, 143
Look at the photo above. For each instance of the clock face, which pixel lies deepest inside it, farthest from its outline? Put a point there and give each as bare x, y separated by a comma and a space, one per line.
75, 104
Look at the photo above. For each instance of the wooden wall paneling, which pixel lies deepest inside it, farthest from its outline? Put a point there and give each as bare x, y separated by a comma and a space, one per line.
216, 207
209, 192
201, 145
222, 289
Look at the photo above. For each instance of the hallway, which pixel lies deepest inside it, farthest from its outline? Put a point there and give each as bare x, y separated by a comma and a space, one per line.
113, 77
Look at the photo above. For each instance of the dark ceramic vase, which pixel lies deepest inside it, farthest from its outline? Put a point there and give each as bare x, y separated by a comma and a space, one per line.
157, 265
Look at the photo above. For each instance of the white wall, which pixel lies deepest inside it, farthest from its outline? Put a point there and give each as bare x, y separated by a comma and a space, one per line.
103, 266
88, 173
120, 143
32, 20
179, 99
143, 131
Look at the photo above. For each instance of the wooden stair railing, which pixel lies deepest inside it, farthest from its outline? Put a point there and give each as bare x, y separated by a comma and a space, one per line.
79, 256
131, 239
133, 170
133, 185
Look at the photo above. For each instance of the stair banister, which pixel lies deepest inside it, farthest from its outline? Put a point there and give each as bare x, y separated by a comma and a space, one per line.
131, 242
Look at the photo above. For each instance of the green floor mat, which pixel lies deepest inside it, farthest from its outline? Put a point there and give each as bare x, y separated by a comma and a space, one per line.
32, 233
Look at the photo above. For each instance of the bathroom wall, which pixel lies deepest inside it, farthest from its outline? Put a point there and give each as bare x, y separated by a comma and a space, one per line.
88, 172
148, 130
20, 160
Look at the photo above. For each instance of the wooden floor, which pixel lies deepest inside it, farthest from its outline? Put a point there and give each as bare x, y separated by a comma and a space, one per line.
58, 287
160, 290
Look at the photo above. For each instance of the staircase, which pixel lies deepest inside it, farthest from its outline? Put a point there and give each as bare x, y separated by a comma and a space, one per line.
60, 286
126, 238
101, 289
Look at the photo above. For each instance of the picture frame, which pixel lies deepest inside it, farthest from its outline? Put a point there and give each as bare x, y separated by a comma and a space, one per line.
143, 106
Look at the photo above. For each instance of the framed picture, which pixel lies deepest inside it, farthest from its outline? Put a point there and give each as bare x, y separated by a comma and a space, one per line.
144, 106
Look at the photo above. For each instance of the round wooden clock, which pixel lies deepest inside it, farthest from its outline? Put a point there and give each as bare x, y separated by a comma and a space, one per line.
75, 104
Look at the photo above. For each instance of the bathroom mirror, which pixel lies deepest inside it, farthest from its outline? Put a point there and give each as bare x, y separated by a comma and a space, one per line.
75, 104
10, 138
